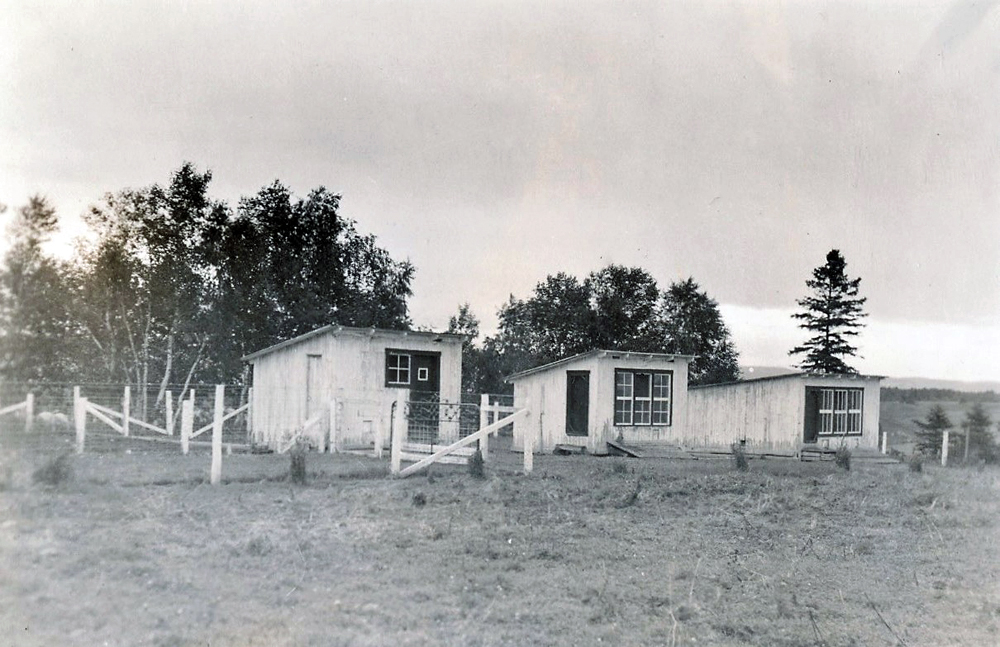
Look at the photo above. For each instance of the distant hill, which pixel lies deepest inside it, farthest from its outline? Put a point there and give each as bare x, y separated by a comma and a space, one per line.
755, 372
749, 372
931, 383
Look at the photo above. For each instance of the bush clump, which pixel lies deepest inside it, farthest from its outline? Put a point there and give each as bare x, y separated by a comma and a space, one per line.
843, 458
297, 470
54, 472
739, 457
477, 467
916, 463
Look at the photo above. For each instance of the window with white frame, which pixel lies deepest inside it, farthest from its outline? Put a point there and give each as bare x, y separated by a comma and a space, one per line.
642, 397
840, 412
397, 369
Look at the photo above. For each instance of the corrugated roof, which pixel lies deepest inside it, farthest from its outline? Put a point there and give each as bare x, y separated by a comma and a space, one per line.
592, 353
335, 329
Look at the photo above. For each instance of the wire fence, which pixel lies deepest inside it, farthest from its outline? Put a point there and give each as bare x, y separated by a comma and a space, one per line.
149, 406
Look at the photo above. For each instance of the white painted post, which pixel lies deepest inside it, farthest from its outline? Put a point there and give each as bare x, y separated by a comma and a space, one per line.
333, 425
965, 459
170, 414
397, 440
187, 424
29, 412
484, 414
944, 448
885, 441
76, 396
216, 474
126, 408
80, 418
250, 436
529, 443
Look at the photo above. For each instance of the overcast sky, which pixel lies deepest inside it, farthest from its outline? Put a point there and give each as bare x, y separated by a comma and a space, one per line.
495, 143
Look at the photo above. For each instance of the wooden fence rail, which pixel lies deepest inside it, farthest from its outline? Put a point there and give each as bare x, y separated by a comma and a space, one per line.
29, 411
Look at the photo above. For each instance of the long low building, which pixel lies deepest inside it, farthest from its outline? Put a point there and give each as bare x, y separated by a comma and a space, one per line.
786, 413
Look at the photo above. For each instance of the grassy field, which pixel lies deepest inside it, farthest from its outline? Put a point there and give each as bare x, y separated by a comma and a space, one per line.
136, 549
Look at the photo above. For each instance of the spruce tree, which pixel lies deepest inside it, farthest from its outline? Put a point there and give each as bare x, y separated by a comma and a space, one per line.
931, 433
832, 315
982, 444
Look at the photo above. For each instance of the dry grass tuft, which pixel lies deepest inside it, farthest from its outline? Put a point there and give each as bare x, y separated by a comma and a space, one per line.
843, 458
739, 457
477, 467
54, 472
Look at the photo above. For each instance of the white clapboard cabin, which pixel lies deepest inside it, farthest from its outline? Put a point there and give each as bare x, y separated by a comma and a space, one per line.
341, 383
590, 400
787, 414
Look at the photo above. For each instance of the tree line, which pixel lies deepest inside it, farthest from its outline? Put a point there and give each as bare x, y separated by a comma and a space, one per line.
615, 308
171, 286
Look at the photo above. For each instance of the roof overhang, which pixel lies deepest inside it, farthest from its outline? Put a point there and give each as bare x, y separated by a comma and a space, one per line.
335, 329
614, 354
800, 375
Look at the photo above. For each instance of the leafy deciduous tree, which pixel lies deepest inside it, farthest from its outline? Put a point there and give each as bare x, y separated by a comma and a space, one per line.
693, 325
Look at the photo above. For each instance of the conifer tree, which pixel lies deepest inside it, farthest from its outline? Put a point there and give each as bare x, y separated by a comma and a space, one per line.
931, 433
832, 315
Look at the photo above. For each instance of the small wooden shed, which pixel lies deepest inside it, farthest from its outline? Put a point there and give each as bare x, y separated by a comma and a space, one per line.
349, 378
787, 414
590, 399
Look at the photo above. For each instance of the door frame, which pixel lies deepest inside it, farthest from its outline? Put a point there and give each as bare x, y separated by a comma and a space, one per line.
570, 402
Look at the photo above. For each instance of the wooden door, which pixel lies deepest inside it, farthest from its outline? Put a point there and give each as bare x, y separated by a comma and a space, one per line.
577, 403
810, 423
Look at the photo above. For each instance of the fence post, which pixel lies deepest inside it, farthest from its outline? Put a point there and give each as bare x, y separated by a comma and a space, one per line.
885, 441
944, 448
169, 427
220, 395
484, 420
396, 433
29, 412
333, 425
965, 459
187, 423
250, 436
126, 409
80, 418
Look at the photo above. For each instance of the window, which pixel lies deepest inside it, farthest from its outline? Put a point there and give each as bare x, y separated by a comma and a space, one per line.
423, 374
840, 412
642, 397
397, 369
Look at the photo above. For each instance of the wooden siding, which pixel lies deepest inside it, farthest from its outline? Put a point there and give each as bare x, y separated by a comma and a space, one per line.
769, 414
351, 370
545, 392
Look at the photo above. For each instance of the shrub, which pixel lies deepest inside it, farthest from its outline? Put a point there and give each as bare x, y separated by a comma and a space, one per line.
739, 457
916, 463
297, 471
477, 468
619, 467
56, 471
843, 458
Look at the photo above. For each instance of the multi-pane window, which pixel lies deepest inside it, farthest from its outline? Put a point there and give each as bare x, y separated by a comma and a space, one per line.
840, 411
642, 397
397, 369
